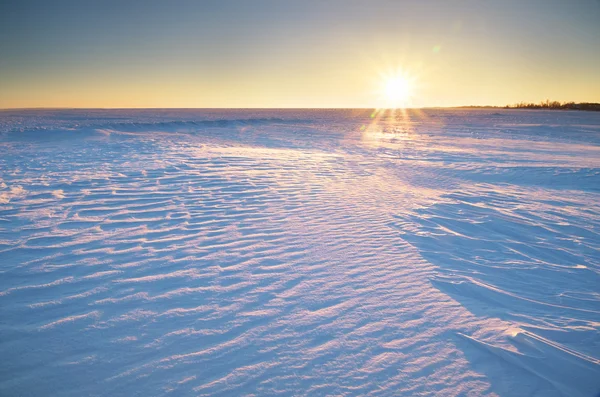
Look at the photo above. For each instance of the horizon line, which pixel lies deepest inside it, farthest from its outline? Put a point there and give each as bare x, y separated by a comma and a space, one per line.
255, 108
508, 106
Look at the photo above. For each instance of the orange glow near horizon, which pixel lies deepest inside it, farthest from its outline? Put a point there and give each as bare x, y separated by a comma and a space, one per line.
368, 81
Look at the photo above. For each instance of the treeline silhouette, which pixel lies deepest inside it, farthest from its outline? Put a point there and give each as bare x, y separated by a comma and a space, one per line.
547, 104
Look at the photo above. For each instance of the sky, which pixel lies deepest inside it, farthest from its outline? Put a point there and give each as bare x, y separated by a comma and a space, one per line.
305, 54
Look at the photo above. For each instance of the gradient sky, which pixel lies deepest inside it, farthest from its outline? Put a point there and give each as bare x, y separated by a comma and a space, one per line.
305, 53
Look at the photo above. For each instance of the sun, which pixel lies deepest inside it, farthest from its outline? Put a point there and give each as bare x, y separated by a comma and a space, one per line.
397, 90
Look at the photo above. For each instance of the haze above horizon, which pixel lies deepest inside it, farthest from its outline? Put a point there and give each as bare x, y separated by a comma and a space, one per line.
269, 54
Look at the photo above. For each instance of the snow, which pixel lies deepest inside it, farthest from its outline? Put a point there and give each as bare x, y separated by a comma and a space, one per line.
288, 252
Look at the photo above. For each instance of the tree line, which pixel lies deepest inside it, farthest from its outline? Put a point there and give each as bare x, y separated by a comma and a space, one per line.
547, 104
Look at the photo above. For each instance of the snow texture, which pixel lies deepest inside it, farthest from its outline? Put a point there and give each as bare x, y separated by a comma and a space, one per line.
309, 253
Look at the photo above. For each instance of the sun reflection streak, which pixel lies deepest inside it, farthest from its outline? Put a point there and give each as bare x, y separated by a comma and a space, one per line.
388, 126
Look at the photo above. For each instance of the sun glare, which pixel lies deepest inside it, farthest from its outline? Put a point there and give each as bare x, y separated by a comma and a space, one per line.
397, 90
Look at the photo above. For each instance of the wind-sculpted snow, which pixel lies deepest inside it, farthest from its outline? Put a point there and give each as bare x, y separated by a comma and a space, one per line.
336, 252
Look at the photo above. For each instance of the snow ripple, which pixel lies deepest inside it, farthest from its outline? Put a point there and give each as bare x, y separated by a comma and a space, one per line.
299, 253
